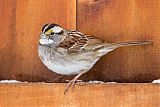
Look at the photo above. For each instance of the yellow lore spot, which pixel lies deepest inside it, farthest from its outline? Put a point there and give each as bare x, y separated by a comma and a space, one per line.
49, 31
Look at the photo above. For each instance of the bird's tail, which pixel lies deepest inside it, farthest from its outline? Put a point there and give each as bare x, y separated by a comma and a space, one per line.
132, 43
111, 46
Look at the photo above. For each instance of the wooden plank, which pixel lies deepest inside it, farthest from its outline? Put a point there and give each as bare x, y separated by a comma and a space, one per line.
123, 20
22, 21
7, 51
88, 95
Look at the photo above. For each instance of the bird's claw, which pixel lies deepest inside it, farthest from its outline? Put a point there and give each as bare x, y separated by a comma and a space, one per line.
72, 82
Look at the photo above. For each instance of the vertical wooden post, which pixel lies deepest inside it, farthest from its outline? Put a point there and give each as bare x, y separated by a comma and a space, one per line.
21, 23
118, 21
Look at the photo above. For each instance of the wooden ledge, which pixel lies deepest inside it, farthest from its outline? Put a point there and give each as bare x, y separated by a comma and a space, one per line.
87, 95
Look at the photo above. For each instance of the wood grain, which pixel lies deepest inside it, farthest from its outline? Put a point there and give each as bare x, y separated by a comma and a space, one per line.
21, 23
118, 21
7, 30
88, 95
111, 20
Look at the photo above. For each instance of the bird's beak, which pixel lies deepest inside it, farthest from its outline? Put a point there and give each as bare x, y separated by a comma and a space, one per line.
43, 36
45, 40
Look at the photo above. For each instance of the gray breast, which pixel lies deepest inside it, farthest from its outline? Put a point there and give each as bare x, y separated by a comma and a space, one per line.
62, 63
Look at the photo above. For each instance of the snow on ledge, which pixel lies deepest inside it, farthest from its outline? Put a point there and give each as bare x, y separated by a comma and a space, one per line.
10, 81
99, 82
95, 82
156, 81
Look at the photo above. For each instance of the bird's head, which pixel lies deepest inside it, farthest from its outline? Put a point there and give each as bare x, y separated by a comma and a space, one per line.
51, 34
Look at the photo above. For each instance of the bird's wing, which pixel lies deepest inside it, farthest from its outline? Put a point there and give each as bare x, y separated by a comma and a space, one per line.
77, 42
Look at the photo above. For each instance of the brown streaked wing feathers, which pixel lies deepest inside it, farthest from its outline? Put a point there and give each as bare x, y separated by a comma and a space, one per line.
94, 42
77, 42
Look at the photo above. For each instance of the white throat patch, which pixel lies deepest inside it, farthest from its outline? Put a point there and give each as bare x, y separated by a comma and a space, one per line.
45, 41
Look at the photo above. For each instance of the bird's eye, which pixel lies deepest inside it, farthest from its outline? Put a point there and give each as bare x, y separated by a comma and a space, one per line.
52, 33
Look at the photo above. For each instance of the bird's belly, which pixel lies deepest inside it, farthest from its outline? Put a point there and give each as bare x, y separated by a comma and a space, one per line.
67, 67
66, 64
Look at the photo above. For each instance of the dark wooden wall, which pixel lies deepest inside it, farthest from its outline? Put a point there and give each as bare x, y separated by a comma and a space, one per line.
111, 20
124, 20
21, 23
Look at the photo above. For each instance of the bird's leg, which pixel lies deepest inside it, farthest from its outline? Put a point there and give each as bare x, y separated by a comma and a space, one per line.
73, 81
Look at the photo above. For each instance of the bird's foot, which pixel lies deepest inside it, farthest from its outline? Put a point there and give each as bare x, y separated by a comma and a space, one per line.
70, 84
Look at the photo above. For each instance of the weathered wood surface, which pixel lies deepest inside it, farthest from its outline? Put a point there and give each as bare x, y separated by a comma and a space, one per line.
88, 95
111, 20
118, 21
21, 23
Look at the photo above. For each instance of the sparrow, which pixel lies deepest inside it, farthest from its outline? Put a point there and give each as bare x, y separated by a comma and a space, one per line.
70, 52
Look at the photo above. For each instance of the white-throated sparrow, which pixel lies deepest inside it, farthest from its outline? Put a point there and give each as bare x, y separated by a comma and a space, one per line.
71, 52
